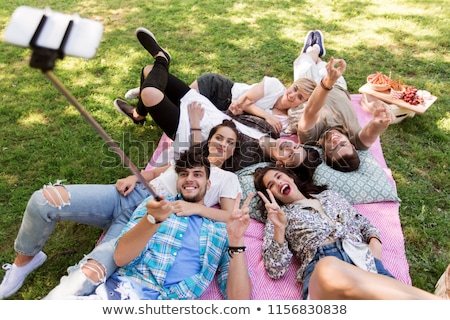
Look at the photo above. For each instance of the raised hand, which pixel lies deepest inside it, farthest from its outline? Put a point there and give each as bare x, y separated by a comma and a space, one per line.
382, 115
239, 221
335, 68
196, 113
274, 212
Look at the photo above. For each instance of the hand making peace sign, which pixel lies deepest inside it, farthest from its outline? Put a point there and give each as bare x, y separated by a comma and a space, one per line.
238, 221
274, 212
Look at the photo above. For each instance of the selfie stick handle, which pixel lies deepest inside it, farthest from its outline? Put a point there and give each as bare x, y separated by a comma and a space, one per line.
44, 59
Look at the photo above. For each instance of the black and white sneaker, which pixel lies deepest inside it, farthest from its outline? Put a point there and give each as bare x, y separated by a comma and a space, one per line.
318, 39
127, 110
309, 41
148, 41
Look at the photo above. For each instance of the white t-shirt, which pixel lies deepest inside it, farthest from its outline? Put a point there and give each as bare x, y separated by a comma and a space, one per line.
273, 90
224, 184
212, 117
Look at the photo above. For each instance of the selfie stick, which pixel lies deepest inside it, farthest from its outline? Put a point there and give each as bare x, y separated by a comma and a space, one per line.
44, 59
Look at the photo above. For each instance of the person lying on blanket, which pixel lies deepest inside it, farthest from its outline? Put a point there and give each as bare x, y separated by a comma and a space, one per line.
268, 99
202, 247
328, 118
109, 207
339, 250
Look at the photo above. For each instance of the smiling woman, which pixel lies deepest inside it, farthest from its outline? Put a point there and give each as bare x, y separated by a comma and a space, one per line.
337, 247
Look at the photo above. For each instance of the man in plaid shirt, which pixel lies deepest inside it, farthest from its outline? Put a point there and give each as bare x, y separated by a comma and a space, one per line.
164, 256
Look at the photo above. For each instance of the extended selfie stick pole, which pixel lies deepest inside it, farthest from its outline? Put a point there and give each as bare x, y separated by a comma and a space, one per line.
101, 131
44, 59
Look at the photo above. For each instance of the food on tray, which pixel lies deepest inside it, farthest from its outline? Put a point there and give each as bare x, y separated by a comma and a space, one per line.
397, 85
378, 81
405, 92
378, 78
398, 90
410, 95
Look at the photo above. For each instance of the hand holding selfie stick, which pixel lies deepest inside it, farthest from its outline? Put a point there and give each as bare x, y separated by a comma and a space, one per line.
44, 59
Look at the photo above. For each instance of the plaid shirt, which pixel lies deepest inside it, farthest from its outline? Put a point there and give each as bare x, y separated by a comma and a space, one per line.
151, 266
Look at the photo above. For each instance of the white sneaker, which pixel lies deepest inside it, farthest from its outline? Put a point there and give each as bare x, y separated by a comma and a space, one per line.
15, 275
132, 93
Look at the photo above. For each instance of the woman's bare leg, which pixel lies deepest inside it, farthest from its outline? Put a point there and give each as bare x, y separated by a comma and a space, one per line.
334, 279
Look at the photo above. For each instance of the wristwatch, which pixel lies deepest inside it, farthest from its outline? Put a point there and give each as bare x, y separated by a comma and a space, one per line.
152, 219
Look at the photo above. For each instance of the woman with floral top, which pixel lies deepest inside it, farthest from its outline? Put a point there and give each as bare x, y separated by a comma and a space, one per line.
339, 249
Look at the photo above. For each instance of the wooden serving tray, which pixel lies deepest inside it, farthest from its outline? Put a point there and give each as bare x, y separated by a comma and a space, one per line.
386, 97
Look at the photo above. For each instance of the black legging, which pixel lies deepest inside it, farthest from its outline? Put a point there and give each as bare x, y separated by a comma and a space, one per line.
166, 113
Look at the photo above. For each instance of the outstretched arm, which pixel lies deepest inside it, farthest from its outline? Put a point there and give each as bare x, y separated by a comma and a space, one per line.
239, 285
335, 69
247, 99
381, 119
131, 244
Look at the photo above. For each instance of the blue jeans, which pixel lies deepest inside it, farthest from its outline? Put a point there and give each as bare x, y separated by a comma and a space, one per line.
96, 205
335, 250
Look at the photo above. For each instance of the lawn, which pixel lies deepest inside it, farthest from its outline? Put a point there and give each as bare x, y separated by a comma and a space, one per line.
44, 138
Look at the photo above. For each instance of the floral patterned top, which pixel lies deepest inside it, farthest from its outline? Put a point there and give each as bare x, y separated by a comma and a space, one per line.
307, 229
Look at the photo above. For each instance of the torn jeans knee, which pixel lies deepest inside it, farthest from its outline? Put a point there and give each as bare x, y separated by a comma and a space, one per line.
94, 271
56, 194
77, 282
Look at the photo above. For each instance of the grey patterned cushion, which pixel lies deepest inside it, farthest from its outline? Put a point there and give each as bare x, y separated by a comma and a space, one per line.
366, 185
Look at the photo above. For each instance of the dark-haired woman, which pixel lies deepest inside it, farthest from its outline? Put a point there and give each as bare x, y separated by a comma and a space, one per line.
339, 249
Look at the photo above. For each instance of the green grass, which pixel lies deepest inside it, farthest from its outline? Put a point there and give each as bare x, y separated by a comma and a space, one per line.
44, 138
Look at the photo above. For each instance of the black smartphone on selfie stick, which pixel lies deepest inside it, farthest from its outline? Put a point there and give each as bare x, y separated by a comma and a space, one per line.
53, 35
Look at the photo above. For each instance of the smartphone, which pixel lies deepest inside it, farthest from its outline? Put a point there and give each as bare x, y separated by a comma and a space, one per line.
83, 37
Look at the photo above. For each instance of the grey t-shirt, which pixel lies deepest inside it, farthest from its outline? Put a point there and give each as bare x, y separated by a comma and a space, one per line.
337, 111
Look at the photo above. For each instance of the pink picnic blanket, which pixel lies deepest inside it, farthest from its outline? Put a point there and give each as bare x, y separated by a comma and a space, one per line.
384, 215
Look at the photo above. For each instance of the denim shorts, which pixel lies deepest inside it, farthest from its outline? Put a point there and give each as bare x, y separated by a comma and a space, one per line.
336, 250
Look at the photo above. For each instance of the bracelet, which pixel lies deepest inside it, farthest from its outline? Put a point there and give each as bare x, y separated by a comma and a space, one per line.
196, 129
323, 86
235, 250
371, 237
